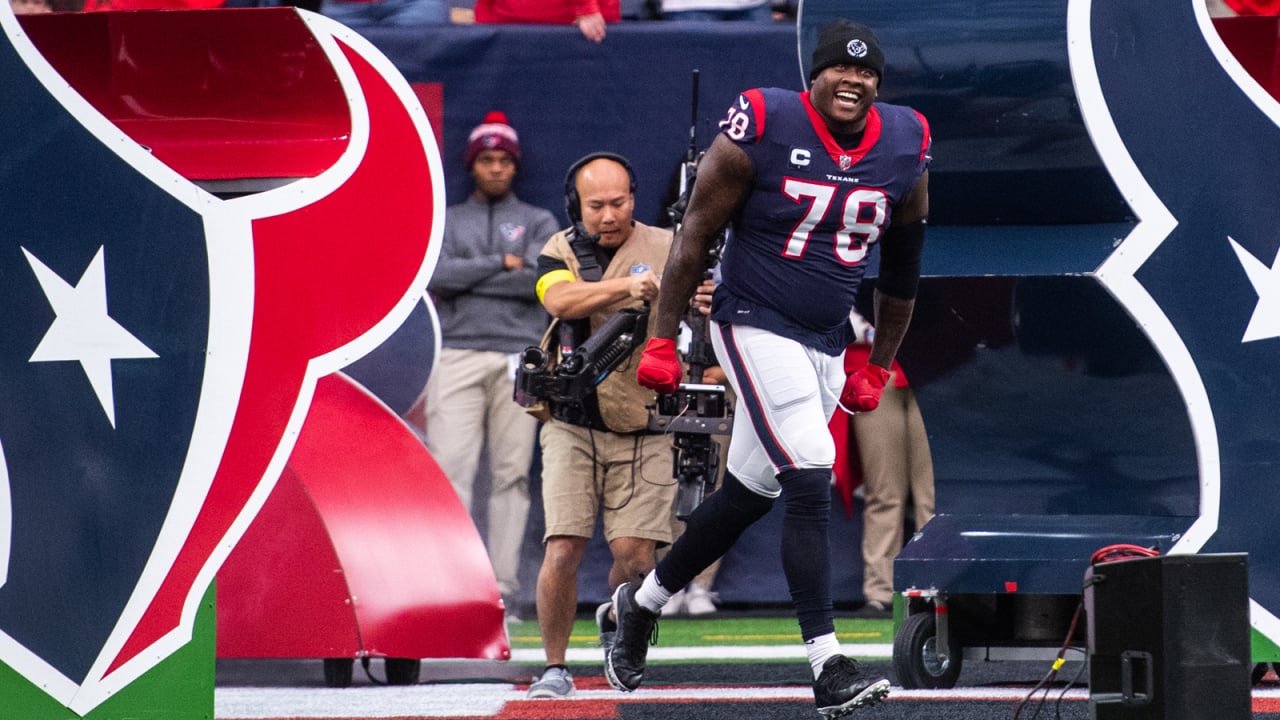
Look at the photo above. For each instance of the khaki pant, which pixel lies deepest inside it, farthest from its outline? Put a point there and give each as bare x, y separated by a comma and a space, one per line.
468, 406
895, 465
626, 478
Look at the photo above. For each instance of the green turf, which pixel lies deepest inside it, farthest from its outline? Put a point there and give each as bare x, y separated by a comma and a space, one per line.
718, 631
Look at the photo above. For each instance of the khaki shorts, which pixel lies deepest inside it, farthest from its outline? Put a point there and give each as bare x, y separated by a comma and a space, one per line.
626, 477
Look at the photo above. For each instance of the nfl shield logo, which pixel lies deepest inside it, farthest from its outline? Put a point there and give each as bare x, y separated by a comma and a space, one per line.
845, 162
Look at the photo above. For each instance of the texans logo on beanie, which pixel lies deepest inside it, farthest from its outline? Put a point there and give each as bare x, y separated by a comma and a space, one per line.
842, 42
492, 134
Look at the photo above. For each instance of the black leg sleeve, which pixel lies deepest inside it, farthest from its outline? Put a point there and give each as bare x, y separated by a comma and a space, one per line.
805, 554
710, 531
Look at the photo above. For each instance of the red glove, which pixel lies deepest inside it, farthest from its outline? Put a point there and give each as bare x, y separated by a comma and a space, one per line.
863, 387
659, 367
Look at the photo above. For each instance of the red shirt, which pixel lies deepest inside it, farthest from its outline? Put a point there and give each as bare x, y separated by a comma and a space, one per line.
551, 12
102, 5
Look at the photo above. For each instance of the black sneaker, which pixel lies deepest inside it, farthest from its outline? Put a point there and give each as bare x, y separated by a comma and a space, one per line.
606, 625
624, 662
842, 688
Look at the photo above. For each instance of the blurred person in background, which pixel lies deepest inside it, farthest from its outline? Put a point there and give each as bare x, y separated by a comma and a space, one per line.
590, 16
483, 287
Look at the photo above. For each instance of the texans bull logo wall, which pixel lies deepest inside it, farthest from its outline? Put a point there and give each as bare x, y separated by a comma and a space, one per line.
1194, 144
159, 348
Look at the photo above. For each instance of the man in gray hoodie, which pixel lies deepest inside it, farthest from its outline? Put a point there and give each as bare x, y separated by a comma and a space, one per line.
483, 287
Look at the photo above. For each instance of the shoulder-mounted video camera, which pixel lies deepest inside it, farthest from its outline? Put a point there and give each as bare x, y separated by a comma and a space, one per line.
578, 374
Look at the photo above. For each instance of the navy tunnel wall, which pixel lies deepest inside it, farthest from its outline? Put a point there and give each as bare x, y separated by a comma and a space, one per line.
1028, 374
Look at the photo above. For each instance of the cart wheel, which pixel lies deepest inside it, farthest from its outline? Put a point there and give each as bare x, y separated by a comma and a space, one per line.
337, 672
915, 658
402, 671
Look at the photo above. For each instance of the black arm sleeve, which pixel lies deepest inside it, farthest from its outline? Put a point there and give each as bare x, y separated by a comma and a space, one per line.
900, 260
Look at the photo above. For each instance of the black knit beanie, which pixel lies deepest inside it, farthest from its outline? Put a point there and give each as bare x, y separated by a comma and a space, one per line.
842, 42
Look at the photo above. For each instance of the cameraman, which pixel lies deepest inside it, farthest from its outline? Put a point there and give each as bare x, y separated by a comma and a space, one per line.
597, 455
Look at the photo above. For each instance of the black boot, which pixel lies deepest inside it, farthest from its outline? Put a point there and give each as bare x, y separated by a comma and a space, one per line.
842, 688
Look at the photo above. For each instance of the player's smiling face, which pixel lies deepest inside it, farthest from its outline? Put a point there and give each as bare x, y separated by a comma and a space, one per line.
843, 95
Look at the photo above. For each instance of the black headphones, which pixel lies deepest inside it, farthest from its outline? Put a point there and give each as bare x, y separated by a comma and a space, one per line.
572, 203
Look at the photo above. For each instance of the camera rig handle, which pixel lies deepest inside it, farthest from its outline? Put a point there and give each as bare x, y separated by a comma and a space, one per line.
587, 366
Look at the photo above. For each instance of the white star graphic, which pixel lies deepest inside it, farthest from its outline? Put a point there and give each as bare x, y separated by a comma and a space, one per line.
82, 330
1265, 322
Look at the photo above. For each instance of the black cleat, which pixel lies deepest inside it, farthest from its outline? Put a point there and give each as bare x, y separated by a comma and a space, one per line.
624, 662
842, 688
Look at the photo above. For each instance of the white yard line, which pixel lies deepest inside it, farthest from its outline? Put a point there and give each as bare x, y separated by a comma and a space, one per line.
790, 651
437, 700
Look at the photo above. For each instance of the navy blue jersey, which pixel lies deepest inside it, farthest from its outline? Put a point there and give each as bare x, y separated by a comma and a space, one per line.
798, 246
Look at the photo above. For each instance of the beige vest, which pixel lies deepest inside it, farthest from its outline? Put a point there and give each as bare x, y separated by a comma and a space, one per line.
622, 400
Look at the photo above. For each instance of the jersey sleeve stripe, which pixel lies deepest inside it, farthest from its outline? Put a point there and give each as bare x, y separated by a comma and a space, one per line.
926, 139
756, 99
